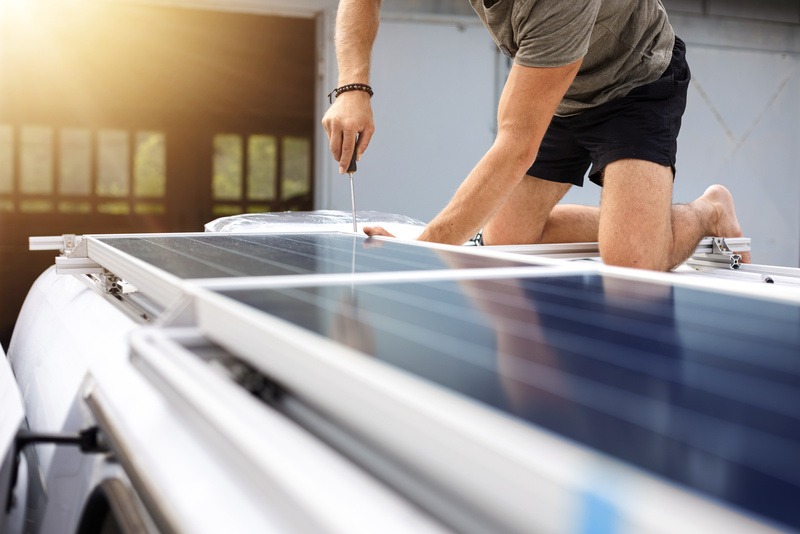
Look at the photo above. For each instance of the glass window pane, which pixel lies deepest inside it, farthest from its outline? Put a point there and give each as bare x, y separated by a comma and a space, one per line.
114, 208
36, 160
296, 170
36, 206
113, 163
223, 210
6, 159
262, 159
68, 206
150, 164
149, 208
228, 172
75, 154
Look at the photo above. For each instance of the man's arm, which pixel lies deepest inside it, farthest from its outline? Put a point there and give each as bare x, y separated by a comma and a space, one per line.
351, 113
529, 100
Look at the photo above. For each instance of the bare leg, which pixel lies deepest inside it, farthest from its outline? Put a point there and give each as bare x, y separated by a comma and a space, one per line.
640, 228
531, 216
571, 223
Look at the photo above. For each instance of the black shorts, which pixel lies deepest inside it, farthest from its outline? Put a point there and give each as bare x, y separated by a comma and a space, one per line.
643, 125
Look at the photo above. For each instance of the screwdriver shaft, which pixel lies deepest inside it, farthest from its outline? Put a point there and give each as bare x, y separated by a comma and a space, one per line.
353, 167
353, 203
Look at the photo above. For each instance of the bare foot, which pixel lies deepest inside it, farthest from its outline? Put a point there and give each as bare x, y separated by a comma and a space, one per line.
726, 223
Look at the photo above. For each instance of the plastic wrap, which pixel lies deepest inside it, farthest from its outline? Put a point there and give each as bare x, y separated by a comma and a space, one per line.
316, 221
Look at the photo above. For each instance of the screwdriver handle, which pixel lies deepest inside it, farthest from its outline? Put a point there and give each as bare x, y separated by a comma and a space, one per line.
353, 167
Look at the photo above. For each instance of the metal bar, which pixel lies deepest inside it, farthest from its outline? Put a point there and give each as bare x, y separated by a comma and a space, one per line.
430, 498
790, 273
591, 249
550, 249
107, 419
271, 452
771, 269
127, 507
52, 242
65, 265
162, 453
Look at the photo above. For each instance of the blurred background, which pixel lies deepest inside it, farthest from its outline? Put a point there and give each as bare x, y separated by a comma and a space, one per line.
158, 116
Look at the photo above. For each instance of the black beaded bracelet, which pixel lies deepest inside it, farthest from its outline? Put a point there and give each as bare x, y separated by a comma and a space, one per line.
349, 87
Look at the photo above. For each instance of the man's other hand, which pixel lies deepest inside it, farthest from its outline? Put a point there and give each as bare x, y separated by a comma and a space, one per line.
377, 231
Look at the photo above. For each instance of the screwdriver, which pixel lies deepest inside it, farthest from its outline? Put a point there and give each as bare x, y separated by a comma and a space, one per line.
350, 170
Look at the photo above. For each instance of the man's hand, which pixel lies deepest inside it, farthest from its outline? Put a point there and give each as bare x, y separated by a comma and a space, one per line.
348, 119
377, 230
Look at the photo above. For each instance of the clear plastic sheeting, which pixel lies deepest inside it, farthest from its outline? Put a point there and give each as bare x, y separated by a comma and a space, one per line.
320, 220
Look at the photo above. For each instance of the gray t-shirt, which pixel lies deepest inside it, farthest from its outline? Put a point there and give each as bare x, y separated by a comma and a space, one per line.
623, 43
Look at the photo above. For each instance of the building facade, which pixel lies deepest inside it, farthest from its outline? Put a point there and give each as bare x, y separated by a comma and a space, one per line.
159, 115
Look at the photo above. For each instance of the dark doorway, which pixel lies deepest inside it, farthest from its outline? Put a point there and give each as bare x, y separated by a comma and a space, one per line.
123, 118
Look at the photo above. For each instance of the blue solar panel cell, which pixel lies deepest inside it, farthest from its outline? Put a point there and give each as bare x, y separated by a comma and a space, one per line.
700, 387
226, 255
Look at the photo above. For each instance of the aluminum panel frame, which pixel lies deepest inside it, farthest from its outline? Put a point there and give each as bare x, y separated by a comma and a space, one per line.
167, 289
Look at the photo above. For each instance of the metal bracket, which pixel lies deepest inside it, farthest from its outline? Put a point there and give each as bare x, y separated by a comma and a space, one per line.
113, 284
718, 251
719, 247
74, 257
65, 243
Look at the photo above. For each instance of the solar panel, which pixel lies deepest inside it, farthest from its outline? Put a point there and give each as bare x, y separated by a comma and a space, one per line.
225, 255
699, 387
